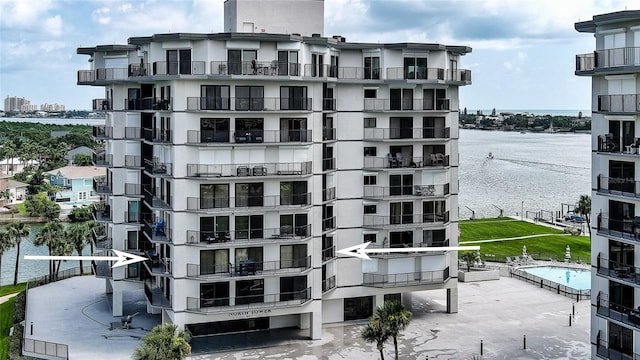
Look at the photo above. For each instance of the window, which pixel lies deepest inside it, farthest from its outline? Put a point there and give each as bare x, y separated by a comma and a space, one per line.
333, 68
249, 291
372, 67
249, 254
619, 212
214, 130
401, 99
370, 209
249, 130
370, 93
293, 256
249, 227
214, 261
621, 339
398, 239
214, 196
621, 176
433, 127
249, 98
393, 297
401, 213
328, 132
178, 62
214, 228
292, 288
316, 65
435, 99
249, 194
293, 225
370, 151
370, 122
370, 180
82, 195
358, 308
294, 98
294, 193
434, 211
242, 62
288, 63
214, 97
369, 238
400, 185
400, 127
436, 238
214, 294
415, 68
293, 130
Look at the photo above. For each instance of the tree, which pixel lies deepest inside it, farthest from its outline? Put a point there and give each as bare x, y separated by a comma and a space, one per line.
79, 234
17, 231
470, 258
394, 317
374, 333
36, 182
82, 160
80, 214
583, 207
49, 235
5, 244
164, 342
40, 205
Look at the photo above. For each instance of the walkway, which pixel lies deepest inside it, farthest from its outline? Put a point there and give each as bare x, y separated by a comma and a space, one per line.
513, 238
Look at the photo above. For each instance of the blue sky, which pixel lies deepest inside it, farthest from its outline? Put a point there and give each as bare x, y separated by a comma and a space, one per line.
523, 50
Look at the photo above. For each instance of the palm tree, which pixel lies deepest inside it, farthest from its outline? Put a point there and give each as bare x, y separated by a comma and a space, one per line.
164, 342
17, 231
79, 234
583, 207
5, 244
393, 317
49, 234
374, 333
469, 257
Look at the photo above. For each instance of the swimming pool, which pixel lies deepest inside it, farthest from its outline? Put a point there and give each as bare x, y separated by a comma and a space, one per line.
579, 279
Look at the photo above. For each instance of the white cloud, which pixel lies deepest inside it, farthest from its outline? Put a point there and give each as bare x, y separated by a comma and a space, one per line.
23, 14
102, 15
53, 25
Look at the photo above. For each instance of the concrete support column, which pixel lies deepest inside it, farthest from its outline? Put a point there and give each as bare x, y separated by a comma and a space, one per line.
117, 303
315, 328
305, 321
108, 289
379, 301
452, 300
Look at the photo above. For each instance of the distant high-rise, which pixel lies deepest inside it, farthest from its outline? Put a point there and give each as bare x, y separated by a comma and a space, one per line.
14, 103
614, 68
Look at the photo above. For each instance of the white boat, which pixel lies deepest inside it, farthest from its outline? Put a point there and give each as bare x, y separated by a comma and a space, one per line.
490, 156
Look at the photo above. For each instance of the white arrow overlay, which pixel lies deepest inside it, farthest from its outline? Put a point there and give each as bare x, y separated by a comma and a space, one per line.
361, 250
122, 258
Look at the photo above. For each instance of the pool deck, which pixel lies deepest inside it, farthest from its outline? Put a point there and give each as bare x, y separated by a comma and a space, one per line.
499, 313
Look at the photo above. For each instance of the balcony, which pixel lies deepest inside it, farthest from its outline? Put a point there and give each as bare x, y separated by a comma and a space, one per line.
156, 231
245, 202
405, 279
604, 351
255, 68
328, 134
155, 201
132, 161
627, 229
619, 271
608, 143
256, 136
101, 76
101, 105
130, 133
397, 133
328, 253
329, 284
248, 267
617, 312
626, 187
329, 104
329, 194
101, 186
282, 234
236, 170
608, 60
157, 266
619, 104
249, 302
132, 217
155, 167
155, 295
409, 220
329, 223
390, 162
358, 73
101, 132
328, 164
103, 159
178, 68
102, 212
102, 269
378, 105
226, 104
381, 192
104, 243
132, 189
157, 136
420, 73
146, 104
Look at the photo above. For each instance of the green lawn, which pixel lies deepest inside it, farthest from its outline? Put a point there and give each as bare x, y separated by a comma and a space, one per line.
543, 247
6, 321
11, 289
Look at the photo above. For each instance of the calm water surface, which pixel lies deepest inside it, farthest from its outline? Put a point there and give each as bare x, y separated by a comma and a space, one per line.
539, 170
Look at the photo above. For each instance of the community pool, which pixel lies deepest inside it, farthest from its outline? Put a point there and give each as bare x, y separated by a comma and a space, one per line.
579, 279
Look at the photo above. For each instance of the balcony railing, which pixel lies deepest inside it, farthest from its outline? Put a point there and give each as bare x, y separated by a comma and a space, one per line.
254, 136
179, 67
617, 144
154, 200
426, 161
102, 269
253, 301
628, 229
329, 194
226, 203
620, 271
328, 134
159, 266
407, 133
246, 104
359, 73
101, 186
608, 58
405, 220
604, 351
329, 223
329, 104
155, 295
219, 170
280, 234
329, 253
156, 167
87, 77
378, 192
162, 136
328, 164
419, 73
405, 279
102, 212
372, 105
618, 312
247, 267
103, 159
329, 283
619, 186
101, 105
626, 103
148, 103
101, 132
132, 161
104, 243
255, 68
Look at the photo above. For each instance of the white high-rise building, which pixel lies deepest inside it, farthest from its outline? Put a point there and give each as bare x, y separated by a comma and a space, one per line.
239, 162
614, 67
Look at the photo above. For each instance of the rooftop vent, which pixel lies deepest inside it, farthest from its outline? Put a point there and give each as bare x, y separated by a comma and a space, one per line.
339, 38
315, 35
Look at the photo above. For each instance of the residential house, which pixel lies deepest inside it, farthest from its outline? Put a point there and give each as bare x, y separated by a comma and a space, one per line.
75, 184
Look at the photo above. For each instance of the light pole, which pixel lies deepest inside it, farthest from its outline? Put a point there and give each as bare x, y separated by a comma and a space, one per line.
522, 211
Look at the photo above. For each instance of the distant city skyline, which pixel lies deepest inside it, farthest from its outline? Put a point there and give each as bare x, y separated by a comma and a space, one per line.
22, 104
523, 51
